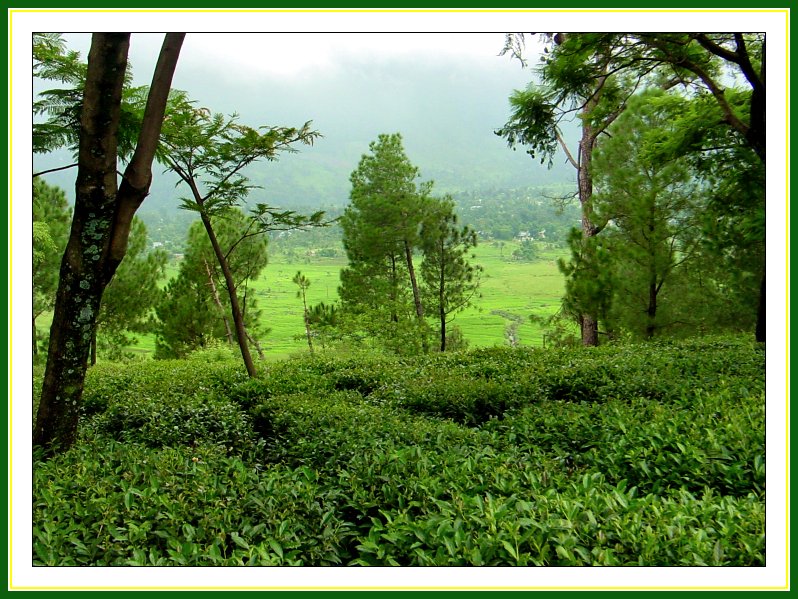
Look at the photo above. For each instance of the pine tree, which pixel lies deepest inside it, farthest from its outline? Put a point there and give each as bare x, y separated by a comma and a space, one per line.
451, 282
381, 233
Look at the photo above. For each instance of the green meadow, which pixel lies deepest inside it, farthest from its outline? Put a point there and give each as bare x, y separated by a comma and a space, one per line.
509, 293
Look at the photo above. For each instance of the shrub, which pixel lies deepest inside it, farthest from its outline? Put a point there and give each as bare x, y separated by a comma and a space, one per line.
174, 419
647, 455
125, 504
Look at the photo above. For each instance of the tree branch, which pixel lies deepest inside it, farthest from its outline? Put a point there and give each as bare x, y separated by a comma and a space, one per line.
52, 170
568, 155
717, 49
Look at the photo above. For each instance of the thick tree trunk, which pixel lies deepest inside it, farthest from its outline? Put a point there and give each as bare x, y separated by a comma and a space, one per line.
238, 318
83, 274
100, 225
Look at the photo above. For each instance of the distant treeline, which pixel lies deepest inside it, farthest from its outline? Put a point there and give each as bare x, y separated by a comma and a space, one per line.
538, 212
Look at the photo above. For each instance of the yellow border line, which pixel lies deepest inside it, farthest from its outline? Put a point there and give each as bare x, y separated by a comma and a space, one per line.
787, 352
10, 313
10, 266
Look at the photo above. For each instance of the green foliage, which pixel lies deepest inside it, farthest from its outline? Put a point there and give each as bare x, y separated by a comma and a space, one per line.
51, 221
381, 231
125, 504
450, 280
195, 307
130, 298
61, 106
528, 251
53, 62
647, 455
590, 282
208, 151
533, 119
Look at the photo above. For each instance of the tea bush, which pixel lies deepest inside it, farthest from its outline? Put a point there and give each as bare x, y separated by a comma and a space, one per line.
631, 455
125, 504
109, 380
171, 419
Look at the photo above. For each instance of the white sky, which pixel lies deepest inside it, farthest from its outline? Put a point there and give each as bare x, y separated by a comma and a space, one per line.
320, 53
238, 55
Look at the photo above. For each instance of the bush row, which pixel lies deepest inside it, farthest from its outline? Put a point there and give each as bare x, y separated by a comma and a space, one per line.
423, 492
365, 460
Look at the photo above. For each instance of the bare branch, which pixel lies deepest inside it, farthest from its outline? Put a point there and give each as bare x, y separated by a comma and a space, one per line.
52, 170
565, 149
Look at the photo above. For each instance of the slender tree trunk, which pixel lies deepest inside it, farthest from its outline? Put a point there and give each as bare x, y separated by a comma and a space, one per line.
307, 320
100, 224
218, 303
760, 318
585, 182
442, 297
258, 348
416, 294
651, 311
442, 316
35, 338
238, 318
413, 282
93, 356
394, 285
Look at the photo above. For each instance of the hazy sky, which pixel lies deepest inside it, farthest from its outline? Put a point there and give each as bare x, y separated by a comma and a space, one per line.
445, 92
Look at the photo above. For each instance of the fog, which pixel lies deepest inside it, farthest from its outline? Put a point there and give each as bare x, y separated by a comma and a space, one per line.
446, 95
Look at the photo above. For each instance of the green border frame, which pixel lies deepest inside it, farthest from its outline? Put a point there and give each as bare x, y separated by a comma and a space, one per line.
510, 6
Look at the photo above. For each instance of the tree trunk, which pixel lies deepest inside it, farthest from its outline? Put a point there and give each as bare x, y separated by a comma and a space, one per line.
83, 274
760, 317
394, 286
35, 338
442, 298
258, 348
238, 318
416, 294
218, 303
651, 311
585, 181
93, 355
307, 321
413, 282
100, 225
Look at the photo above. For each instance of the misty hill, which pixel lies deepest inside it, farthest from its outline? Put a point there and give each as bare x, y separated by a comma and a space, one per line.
446, 110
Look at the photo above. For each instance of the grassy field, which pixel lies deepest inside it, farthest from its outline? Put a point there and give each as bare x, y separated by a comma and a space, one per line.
510, 292
510, 289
